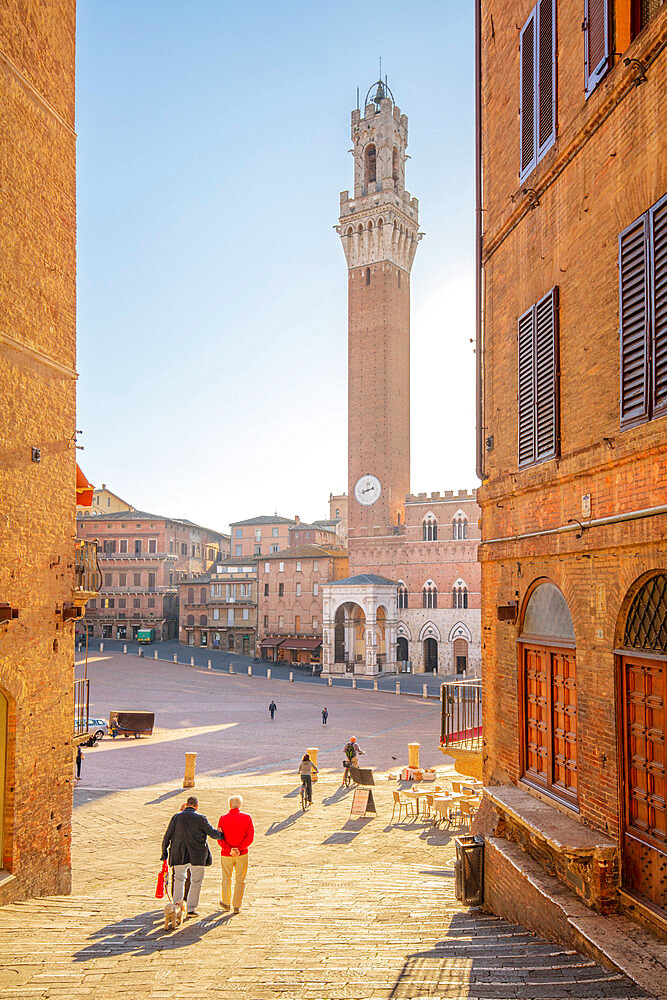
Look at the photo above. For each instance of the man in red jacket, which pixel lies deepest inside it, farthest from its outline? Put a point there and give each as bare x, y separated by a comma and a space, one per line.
238, 834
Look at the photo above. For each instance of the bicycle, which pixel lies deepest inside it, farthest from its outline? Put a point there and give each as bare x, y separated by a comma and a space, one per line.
347, 776
304, 795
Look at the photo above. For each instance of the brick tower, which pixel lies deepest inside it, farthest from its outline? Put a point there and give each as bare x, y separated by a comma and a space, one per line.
379, 230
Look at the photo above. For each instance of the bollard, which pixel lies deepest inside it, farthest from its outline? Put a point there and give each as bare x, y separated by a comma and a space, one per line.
155, 654
268, 673
175, 657
231, 668
424, 691
413, 754
140, 651
291, 676
192, 661
329, 682
101, 647
250, 670
312, 753
125, 649
398, 687
210, 665
189, 776
354, 682
375, 685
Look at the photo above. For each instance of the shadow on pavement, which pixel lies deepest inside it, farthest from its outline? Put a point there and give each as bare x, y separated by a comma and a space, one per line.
350, 830
339, 794
122, 936
284, 824
165, 796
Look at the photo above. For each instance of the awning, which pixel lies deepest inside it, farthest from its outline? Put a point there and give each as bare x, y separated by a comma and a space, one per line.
274, 641
301, 644
84, 490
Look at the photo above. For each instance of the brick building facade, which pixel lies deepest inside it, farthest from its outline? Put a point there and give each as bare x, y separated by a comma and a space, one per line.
37, 437
573, 449
290, 589
413, 597
219, 609
142, 558
260, 535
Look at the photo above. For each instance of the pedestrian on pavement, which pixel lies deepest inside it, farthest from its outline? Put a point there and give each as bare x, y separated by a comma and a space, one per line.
238, 834
325, 716
273, 708
185, 839
306, 769
79, 761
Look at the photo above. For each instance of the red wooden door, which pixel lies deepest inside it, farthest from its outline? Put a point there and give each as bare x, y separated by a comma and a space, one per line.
564, 716
537, 712
645, 827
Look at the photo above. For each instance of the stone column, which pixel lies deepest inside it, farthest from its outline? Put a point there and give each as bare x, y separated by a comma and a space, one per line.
371, 645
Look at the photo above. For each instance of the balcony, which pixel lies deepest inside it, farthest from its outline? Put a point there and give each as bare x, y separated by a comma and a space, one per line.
87, 574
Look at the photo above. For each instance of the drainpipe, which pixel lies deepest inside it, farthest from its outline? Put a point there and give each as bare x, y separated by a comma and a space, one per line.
479, 468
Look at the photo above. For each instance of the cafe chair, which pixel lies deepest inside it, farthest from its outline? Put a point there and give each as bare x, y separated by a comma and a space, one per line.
402, 804
468, 811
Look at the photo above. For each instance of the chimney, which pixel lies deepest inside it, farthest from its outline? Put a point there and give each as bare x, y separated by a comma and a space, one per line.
297, 519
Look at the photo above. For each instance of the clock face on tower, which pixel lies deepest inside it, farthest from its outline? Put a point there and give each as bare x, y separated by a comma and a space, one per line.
367, 490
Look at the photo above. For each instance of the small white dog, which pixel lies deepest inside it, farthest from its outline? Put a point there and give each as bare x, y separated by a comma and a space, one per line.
173, 914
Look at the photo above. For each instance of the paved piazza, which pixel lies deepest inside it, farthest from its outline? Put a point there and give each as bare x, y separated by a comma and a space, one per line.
334, 909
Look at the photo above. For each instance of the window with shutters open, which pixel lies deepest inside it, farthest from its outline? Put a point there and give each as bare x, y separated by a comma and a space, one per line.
642, 265
537, 87
597, 42
538, 382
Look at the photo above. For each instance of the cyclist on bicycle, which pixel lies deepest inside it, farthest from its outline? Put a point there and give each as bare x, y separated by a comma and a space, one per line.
352, 748
306, 769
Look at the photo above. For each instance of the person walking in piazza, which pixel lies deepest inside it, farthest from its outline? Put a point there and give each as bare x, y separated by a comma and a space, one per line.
79, 760
273, 708
185, 840
238, 834
325, 716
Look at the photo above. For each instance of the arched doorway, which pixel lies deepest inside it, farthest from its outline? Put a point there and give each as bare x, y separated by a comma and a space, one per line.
548, 676
350, 635
643, 717
402, 649
431, 655
460, 655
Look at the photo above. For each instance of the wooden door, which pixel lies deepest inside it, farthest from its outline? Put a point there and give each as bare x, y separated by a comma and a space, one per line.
536, 712
564, 721
645, 826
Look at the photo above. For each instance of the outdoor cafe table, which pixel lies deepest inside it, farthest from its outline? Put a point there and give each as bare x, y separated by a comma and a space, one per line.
443, 803
417, 794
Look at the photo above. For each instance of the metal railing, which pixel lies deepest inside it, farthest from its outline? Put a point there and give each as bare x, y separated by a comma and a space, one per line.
87, 573
81, 706
461, 714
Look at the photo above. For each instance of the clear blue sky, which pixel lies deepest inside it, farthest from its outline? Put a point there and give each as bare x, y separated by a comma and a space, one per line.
212, 316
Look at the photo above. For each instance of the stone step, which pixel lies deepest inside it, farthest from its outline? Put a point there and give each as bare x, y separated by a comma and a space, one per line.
611, 940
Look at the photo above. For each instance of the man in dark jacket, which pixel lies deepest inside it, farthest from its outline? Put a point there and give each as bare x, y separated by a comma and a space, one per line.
185, 840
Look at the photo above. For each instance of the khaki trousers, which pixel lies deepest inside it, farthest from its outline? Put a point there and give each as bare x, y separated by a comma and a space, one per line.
239, 865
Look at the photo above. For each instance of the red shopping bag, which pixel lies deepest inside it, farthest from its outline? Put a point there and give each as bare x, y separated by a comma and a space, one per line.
161, 880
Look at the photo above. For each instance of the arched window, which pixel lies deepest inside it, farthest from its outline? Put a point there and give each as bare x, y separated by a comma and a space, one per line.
368, 275
202, 596
549, 693
429, 595
203, 620
394, 164
191, 595
371, 159
460, 526
191, 619
402, 594
459, 595
429, 528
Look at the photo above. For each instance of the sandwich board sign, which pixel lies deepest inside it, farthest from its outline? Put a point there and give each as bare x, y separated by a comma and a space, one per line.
362, 803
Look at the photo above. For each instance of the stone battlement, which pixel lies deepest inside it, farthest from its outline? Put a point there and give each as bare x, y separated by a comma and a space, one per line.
440, 497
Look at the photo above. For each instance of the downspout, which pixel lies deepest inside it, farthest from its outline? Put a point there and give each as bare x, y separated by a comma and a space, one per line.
479, 468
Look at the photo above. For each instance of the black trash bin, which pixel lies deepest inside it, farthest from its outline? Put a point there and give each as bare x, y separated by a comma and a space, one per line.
469, 870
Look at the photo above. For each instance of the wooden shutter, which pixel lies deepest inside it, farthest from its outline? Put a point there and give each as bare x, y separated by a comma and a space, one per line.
633, 306
597, 49
526, 415
658, 313
546, 376
528, 155
546, 75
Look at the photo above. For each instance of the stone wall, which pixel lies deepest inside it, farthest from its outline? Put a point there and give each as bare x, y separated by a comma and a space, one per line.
37, 411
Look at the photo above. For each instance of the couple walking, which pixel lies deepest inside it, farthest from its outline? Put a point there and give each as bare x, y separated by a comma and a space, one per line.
186, 845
